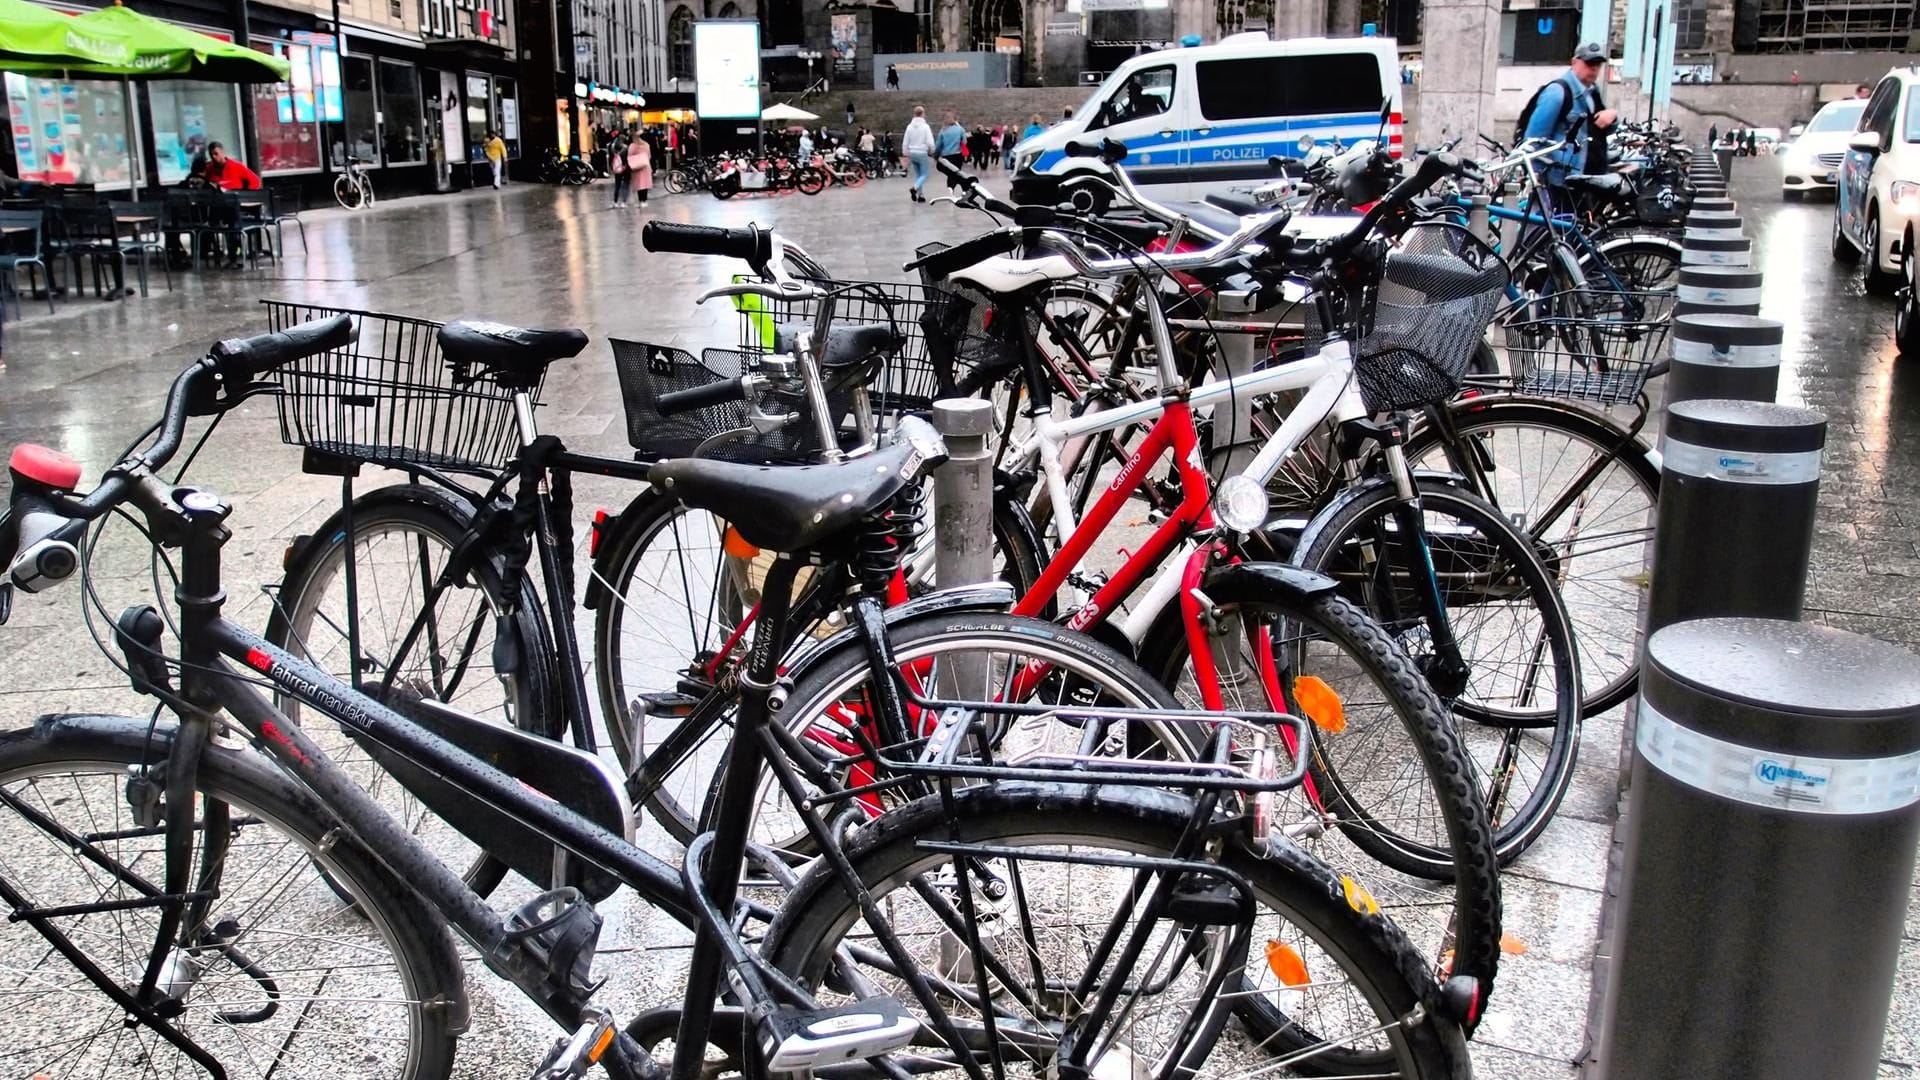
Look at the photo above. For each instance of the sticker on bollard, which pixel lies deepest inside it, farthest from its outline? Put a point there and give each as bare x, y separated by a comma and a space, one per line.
1705, 251
1733, 524
1769, 844
1718, 290
1724, 356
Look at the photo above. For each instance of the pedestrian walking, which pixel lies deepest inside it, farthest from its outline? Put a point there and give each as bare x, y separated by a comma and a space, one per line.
1753, 143
496, 151
1567, 111
866, 141
919, 145
979, 145
617, 167
953, 147
1713, 136
1034, 127
849, 112
893, 77
640, 169
1009, 138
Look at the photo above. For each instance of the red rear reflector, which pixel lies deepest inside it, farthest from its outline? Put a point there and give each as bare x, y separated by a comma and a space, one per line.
44, 465
600, 519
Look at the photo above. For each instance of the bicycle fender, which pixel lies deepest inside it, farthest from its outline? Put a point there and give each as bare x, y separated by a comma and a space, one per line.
1365, 488
612, 540
992, 597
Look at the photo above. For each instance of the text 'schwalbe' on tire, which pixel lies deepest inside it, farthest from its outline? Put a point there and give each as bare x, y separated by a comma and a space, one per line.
396, 535
1519, 707
1581, 486
359, 968
1388, 771
1360, 972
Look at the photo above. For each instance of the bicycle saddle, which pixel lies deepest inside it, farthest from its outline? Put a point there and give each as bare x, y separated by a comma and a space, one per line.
1599, 183
790, 507
514, 356
846, 345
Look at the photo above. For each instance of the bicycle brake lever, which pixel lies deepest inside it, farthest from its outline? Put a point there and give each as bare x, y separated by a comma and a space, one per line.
938, 199
787, 290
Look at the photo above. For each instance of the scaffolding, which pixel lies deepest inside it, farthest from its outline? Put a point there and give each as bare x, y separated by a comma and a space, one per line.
1794, 26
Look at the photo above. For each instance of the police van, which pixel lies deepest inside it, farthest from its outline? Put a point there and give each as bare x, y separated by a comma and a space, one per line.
1207, 119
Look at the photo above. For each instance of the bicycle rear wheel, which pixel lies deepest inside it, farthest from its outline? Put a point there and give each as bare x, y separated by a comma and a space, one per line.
313, 960
1353, 977
347, 193
403, 537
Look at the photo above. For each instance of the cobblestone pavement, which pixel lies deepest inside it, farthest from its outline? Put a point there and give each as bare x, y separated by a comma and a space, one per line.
88, 378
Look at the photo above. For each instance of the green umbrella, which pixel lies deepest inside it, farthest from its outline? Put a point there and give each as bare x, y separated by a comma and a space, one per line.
162, 50
31, 34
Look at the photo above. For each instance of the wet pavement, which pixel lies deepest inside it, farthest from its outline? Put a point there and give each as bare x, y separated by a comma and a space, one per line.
89, 378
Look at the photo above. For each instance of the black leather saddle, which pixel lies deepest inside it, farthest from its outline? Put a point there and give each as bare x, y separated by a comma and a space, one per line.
513, 356
789, 507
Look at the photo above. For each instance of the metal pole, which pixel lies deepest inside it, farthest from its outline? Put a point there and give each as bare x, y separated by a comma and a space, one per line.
1769, 853
963, 522
1733, 357
1733, 528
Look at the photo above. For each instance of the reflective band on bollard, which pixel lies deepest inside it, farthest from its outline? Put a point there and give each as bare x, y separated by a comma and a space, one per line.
1708, 225
1724, 356
1701, 251
1718, 290
1769, 852
1733, 526
1714, 204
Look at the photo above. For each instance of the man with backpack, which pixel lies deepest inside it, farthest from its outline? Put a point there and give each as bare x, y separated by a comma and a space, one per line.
1569, 111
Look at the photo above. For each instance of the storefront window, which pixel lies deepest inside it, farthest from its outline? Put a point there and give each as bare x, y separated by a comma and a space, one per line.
401, 127
69, 132
506, 113
479, 120
188, 115
358, 133
283, 114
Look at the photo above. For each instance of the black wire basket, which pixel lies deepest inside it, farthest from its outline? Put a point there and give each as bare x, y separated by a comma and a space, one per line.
724, 431
1416, 332
1591, 344
390, 398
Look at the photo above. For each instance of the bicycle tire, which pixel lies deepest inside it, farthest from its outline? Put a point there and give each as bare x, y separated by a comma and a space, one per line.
810, 181
648, 519
675, 182
267, 805
1457, 847
1645, 261
346, 192
1609, 650
1389, 976
529, 697
1323, 548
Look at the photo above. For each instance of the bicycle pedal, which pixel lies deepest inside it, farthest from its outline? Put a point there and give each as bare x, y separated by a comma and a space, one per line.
1204, 901
800, 1040
572, 1057
668, 703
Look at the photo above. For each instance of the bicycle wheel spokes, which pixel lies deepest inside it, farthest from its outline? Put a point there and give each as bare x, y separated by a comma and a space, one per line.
285, 976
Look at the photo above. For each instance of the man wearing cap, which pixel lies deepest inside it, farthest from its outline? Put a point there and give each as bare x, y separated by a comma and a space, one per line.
1567, 110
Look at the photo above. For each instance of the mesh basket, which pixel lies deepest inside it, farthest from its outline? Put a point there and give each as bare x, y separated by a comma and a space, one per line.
1591, 344
1419, 328
390, 397
647, 372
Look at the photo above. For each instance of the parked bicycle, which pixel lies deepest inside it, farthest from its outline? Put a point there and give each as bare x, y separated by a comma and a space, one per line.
353, 188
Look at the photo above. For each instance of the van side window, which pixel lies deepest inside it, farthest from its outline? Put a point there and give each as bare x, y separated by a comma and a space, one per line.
1312, 85
1879, 114
1911, 127
1147, 92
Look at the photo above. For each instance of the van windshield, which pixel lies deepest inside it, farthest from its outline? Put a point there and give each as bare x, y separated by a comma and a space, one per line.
1841, 117
1317, 84
1147, 92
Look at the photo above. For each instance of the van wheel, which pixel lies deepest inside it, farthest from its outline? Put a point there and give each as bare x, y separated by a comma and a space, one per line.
1843, 249
1089, 199
1879, 282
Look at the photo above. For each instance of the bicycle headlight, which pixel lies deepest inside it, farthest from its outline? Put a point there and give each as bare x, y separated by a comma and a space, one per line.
1240, 503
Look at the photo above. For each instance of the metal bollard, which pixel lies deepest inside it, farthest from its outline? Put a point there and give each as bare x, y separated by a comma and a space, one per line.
963, 493
1734, 357
1718, 290
1733, 527
1723, 158
1769, 852
1480, 219
1711, 225
1715, 204
1702, 251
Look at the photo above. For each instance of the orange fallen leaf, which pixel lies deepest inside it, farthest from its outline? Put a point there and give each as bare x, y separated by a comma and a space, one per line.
1512, 946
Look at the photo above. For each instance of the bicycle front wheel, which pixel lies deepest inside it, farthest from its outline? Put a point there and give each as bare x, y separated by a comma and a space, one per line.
1518, 695
1051, 889
347, 193
310, 960
1580, 485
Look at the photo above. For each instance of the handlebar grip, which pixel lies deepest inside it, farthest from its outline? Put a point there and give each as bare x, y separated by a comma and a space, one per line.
1111, 151
938, 264
261, 354
701, 397
752, 244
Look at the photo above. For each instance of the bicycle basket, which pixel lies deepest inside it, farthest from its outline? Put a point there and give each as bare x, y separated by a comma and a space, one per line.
648, 372
928, 324
1429, 314
390, 398
1592, 344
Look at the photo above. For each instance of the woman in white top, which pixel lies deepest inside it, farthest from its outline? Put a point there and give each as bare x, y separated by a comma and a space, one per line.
918, 145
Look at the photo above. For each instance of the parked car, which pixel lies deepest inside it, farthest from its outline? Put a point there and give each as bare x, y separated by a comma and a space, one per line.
1877, 194
1812, 161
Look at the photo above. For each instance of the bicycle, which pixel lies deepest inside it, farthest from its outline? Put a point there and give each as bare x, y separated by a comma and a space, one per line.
813, 994
353, 188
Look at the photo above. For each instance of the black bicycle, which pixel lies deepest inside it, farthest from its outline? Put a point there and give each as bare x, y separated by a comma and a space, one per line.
184, 902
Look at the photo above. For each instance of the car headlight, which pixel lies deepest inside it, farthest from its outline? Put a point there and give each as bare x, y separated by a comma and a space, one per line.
1906, 197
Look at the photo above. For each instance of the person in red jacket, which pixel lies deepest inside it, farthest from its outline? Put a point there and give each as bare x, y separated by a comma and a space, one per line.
228, 174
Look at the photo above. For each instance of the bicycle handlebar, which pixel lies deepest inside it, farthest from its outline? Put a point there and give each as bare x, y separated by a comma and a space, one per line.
700, 397
752, 244
262, 353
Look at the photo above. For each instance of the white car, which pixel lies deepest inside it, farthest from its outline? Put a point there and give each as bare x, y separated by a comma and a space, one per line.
1810, 162
1877, 194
